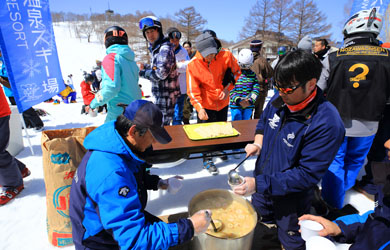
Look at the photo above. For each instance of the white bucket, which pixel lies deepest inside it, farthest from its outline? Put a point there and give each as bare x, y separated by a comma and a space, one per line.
310, 228
15, 139
319, 243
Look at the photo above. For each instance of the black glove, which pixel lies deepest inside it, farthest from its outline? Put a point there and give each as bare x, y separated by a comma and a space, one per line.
228, 77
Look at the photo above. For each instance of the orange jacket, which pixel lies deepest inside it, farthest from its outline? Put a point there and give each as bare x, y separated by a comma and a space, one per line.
204, 82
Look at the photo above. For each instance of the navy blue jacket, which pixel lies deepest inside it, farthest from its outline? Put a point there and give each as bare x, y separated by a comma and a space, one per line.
368, 231
297, 147
108, 198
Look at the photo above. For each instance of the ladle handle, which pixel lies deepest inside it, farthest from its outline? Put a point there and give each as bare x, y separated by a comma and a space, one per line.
239, 164
211, 221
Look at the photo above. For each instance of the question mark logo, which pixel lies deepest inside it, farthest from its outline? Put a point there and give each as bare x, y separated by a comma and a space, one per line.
359, 77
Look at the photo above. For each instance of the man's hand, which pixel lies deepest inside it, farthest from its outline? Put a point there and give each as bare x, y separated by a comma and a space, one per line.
224, 94
330, 228
87, 109
201, 221
245, 103
173, 184
247, 188
252, 149
5, 82
203, 115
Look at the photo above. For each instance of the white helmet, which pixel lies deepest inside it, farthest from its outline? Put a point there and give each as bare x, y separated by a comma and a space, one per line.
245, 58
364, 21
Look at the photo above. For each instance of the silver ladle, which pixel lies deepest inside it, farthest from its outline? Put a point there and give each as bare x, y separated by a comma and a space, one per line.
233, 176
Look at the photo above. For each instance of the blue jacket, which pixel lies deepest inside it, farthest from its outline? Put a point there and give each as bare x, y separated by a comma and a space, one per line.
368, 231
297, 147
106, 209
119, 81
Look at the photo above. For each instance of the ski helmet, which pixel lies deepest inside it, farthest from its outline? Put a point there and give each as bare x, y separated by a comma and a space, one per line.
115, 35
150, 22
245, 58
367, 21
282, 50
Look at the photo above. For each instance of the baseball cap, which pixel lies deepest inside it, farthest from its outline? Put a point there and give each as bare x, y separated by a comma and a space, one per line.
205, 44
148, 115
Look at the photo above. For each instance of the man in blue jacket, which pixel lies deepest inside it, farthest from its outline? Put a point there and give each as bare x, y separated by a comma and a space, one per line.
119, 74
108, 195
372, 229
297, 137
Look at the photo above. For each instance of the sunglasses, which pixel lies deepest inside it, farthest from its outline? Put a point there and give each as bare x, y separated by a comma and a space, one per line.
174, 35
288, 90
146, 22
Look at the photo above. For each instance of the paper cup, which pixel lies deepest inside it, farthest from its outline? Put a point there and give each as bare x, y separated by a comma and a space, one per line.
319, 243
309, 229
233, 186
174, 185
92, 113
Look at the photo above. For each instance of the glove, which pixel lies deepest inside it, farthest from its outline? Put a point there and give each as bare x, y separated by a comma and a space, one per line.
201, 221
173, 184
142, 73
228, 77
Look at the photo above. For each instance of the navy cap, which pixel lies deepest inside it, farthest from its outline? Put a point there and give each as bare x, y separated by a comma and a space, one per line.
148, 115
255, 45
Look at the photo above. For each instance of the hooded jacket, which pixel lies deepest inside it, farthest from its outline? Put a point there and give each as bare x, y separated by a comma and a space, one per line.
106, 203
119, 81
204, 82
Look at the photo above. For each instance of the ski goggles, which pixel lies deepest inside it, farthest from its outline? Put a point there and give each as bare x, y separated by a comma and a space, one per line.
288, 90
146, 22
175, 34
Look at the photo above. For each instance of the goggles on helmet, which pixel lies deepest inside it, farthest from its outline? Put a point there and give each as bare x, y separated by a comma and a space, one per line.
146, 22
175, 34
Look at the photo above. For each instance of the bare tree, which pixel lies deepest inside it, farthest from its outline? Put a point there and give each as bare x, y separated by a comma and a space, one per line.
281, 13
190, 21
86, 28
307, 20
258, 20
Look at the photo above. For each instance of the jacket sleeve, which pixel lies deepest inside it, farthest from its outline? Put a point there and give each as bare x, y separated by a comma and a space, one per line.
111, 81
351, 225
164, 64
318, 149
182, 60
120, 212
235, 97
193, 88
255, 90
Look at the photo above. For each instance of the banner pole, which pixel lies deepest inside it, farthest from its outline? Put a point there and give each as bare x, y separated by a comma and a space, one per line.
28, 136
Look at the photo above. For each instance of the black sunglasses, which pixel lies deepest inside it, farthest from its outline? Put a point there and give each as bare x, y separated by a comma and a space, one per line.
288, 90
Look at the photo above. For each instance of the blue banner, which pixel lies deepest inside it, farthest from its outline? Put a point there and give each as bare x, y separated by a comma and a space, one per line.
29, 51
380, 5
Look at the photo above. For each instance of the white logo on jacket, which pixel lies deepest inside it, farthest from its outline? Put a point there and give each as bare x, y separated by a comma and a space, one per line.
123, 191
273, 122
290, 136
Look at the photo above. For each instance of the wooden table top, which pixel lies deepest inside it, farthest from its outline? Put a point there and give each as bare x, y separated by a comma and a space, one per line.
181, 143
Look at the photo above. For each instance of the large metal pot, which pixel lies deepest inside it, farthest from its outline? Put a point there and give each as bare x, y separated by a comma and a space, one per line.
209, 242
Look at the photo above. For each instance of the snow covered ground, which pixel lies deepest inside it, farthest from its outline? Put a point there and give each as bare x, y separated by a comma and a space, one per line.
23, 221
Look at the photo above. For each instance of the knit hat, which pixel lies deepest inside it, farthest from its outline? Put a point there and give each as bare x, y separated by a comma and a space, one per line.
255, 45
148, 115
206, 44
305, 43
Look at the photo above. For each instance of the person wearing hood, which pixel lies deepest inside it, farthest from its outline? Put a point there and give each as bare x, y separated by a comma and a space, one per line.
119, 74
358, 86
109, 191
162, 70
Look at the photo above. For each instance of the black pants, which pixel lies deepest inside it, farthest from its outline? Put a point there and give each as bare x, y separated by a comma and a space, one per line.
10, 167
30, 116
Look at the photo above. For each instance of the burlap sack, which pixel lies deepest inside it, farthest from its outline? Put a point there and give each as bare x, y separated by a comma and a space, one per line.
62, 152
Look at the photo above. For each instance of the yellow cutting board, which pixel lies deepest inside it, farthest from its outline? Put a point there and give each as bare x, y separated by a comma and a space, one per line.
195, 136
